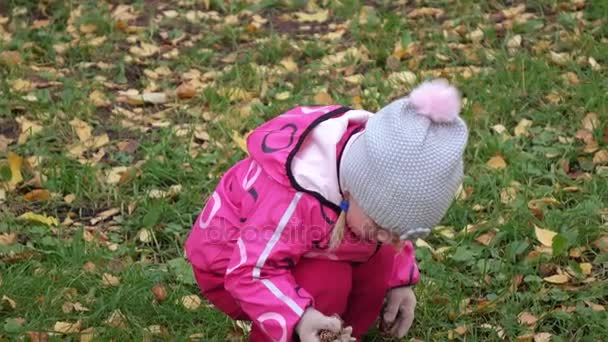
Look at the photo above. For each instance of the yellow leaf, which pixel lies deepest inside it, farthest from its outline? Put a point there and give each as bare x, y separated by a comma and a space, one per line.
83, 129
28, 128
21, 85
9, 302
37, 195
508, 195
67, 327
557, 279
191, 302
514, 43
323, 98
595, 307
48, 220
186, 91
289, 64
319, 17
109, 280
282, 96
10, 58
145, 50
600, 157
497, 162
115, 174
544, 236
486, 238
98, 99
240, 141
601, 243
586, 268
116, 319
14, 163
522, 127
87, 335
426, 11
355, 79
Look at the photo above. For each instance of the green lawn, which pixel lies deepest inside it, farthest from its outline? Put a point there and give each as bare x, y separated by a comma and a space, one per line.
117, 121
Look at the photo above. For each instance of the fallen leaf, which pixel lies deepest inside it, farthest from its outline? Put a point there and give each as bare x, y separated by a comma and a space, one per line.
185, 91
117, 320
355, 79
497, 162
420, 12
586, 268
156, 330
557, 279
522, 127
21, 85
402, 78
69, 198
109, 280
600, 157
508, 195
38, 195
461, 330
7, 239
543, 337
595, 307
191, 302
37, 336
527, 318
601, 243
144, 50
99, 99
8, 302
28, 129
89, 267
47, 220
512, 12
67, 327
104, 215
160, 292
289, 64
11, 58
559, 58
14, 163
499, 330
514, 42
83, 129
282, 96
319, 17
476, 36
590, 122
323, 98
114, 175
240, 141
595, 66
87, 335
544, 236
486, 239
144, 235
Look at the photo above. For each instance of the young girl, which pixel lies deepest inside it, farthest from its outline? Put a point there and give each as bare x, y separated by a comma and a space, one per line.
313, 230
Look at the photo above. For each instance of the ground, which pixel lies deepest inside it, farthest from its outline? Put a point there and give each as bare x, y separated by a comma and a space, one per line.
117, 118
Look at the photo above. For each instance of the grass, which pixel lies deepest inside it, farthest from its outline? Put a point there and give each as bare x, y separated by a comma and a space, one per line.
485, 268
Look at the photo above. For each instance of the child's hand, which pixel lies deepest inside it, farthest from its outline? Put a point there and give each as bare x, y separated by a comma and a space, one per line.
313, 321
398, 315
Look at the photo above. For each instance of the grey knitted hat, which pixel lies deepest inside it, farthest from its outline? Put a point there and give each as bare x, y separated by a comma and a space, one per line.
405, 168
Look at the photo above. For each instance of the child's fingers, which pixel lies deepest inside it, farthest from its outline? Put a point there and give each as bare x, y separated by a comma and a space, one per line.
330, 323
390, 313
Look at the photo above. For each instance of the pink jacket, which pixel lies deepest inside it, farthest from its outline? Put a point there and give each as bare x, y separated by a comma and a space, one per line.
279, 205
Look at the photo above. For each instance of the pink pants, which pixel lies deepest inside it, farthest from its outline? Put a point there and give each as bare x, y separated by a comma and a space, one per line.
356, 293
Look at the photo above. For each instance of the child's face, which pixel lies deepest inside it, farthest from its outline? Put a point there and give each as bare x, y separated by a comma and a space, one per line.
365, 228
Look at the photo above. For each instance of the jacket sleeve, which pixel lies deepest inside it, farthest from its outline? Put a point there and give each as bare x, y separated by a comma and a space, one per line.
405, 269
259, 272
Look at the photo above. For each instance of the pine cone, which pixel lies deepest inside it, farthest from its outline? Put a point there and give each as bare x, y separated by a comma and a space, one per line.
328, 335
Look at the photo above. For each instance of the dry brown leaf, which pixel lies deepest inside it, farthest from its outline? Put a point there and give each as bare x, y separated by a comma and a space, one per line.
114, 175
11, 58
38, 195
144, 235
586, 268
323, 98
513, 12
572, 78
590, 122
87, 335
185, 91
595, 307
28, 128
355, 79
476, 36
89, 267
426, 11
497, 162
117, 320
14, 163
514, 42
104, 215
67, 327
543, 337
37, 336
21, 85
69, 198
461, 330
191, 302
160, 292
109, 280
486, 239
601, 243
600, 157
527, 318
544, 236
7, 239
499, 330
557, 279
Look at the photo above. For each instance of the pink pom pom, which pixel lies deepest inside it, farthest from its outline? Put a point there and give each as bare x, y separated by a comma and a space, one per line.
437, 100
